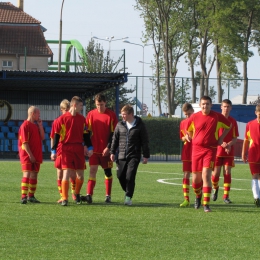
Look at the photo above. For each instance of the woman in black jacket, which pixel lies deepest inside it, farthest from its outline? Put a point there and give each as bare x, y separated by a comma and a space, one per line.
131, 139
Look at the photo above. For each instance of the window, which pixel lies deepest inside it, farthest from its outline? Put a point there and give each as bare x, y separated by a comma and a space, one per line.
7, 63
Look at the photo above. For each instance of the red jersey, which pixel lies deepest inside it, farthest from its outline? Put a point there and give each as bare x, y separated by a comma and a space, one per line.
205, 128
187, 146
252, 134
230, 135
101, 125
29, 133
70, 128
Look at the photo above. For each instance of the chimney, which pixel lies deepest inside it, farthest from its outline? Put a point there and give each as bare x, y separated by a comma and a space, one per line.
20, 4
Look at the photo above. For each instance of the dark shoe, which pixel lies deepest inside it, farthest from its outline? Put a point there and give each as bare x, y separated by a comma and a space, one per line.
257, 202
78, 199
89, 199
24, 200
207, 208
108, 199
64, 203
227, 200
215, 194
33, 200
197, 203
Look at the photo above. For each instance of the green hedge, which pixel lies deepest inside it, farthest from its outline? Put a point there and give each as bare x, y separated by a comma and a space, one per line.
163, 135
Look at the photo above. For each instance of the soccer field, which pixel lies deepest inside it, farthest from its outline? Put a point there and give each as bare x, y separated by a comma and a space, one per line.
154, 227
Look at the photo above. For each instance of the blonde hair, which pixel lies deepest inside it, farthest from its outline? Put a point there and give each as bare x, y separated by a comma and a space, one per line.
65, 105
32, 109
75, 100
257, 108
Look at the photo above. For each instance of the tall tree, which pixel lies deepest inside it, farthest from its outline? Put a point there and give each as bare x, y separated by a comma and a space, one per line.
99, 62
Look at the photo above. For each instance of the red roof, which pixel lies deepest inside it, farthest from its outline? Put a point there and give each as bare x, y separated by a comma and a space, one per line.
12, 14
14, 39
19, 30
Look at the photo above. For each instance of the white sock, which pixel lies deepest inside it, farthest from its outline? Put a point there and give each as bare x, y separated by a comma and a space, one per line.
255, 189
259, 188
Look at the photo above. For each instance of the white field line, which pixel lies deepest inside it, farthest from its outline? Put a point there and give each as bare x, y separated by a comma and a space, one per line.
168, 180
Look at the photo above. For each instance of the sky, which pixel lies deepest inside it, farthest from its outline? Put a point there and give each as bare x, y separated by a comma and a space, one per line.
83, 19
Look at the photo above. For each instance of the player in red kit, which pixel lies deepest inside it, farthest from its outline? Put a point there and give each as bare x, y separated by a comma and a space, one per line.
71, 132
225, 156
31, 134
64, 107
203, 128
101, 122
186, 154
251, 153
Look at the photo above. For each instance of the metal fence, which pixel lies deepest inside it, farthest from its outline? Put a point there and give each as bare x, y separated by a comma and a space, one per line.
145, 92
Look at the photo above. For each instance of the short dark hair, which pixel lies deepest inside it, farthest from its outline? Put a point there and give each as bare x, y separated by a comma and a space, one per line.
206, 98
227, 101
186, 107
100, 98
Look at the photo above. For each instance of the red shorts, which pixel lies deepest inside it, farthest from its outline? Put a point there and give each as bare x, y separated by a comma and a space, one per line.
254, 168
99, 159
30, 167
229, 161
186, 166
72, 157
203, 157
57, 163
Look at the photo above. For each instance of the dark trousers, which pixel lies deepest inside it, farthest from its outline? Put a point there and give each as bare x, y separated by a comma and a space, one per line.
126, 173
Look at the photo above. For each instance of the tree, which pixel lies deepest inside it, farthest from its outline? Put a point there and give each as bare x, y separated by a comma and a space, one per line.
99, 62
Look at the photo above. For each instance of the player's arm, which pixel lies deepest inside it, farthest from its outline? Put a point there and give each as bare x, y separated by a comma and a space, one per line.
110, 140
29, 152
245, 150
224, 133
88, 148
55, 141
188, 136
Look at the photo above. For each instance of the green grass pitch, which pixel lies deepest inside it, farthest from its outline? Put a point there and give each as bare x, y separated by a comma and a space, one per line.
154, 227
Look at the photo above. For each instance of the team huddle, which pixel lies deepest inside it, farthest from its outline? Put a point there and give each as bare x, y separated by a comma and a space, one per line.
73, 137
209, 139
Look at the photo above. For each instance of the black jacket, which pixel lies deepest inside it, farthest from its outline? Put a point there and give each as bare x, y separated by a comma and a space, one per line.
130, 142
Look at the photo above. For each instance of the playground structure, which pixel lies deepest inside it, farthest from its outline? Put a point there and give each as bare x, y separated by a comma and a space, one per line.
74, 50
67, 63
143, 107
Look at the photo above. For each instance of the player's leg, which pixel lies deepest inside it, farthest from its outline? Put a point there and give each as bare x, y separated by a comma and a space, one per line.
57, 165
255, 171
227, 183
208, 166
197, 166
206, 177
25, 186
93, 168
59, 181
79, 183
33, 180
186, 183
107, 166
215, 179
65, 186
197, 188
73, 184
